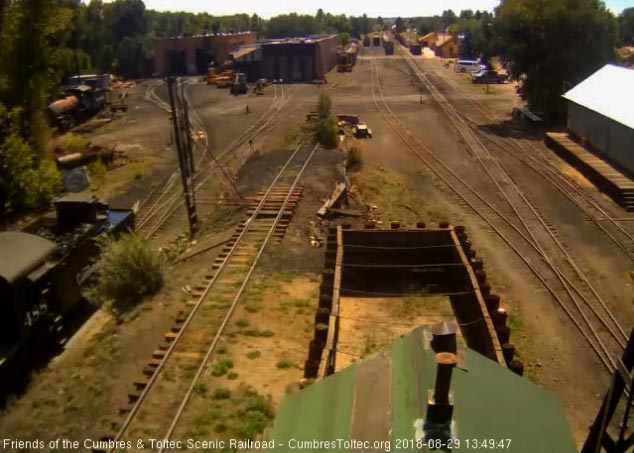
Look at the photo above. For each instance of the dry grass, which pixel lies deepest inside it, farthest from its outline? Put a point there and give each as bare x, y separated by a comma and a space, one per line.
396, 198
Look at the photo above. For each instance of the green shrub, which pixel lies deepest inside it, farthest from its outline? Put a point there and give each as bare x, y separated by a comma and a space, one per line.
28, 180
255, 412
128, 270
221, 367
221, 394
253, 354
354, 159
232, 376
324, 105
284, 364
97, 169
326, 132
73, 143
257, 333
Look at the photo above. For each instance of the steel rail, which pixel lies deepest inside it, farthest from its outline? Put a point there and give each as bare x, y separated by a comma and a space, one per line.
548, 166
166, 202
599, 348
135, 408
455, 118
237, 297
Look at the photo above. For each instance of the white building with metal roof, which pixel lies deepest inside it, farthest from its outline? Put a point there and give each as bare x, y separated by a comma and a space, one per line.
601, 113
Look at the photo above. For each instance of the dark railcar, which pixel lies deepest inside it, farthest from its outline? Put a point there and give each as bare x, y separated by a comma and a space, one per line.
76, 105
415, 48
42, 270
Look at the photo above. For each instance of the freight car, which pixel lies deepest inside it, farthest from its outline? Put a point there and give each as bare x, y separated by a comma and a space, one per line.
415, 48
376, 40
76, 105
366, 40
347, 58
388, 44
42, 270
103, 81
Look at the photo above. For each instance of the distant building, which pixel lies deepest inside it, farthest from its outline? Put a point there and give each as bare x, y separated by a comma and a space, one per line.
601, 114
192, 55
429, 40
443, 44
447, 47
290, 59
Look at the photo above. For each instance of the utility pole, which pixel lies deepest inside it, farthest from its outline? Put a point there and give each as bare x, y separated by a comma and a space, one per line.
600, 437
184, 154
190, 147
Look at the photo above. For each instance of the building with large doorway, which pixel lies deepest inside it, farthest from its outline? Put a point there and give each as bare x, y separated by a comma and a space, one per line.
193, 54
290, 59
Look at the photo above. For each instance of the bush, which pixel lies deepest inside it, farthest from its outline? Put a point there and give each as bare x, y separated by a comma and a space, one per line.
324, 105
253, 354
221, 394
256, 412
326, 132
27, 181
128, 270
284, 365
73, 143
354, 159
221, 367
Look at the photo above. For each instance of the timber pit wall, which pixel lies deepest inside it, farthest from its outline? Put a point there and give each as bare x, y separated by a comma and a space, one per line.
397, 261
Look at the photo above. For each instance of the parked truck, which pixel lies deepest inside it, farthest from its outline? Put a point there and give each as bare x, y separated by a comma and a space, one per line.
488, 76
239, 83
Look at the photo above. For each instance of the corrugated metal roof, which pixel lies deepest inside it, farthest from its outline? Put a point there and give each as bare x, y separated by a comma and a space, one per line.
384, 398
608, 92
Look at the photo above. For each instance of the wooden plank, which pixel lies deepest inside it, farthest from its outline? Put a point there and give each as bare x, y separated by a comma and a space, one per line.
338, 191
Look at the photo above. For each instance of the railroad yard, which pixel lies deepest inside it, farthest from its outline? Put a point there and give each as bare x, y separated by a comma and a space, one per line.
230, 331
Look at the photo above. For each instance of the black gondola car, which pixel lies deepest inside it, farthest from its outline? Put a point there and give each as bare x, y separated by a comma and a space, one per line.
42, 270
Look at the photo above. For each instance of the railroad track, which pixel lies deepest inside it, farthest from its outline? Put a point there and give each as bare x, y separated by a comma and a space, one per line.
159, 408
160, 206
536, 159
502, 206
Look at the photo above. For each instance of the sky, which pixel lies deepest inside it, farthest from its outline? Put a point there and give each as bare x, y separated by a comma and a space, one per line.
373, 8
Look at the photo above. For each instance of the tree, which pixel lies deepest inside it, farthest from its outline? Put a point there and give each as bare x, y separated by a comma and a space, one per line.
320, 16
448, 18
626, 26
400, 25
365, 24
467, 14
290, 25
547, 43
343, 39
128, 19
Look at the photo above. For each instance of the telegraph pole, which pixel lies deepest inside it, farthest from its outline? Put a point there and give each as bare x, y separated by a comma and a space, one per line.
180, 127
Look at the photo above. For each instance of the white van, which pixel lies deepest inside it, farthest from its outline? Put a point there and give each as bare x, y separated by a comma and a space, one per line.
468, 66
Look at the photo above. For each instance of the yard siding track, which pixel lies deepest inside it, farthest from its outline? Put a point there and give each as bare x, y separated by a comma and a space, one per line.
165, 199
477, 114
159, 406
513, 218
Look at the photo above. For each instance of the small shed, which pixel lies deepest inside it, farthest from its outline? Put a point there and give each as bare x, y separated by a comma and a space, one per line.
397, 398
601, 114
